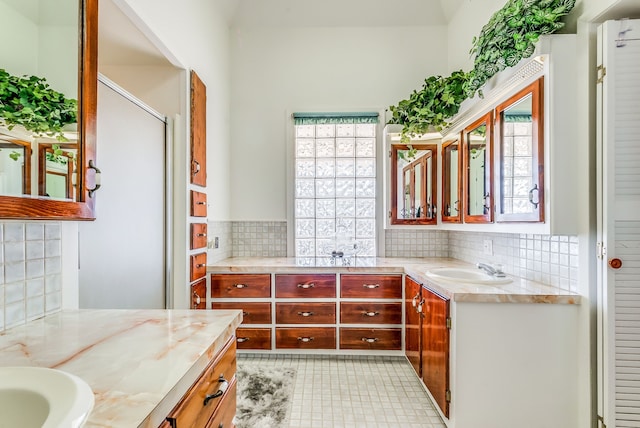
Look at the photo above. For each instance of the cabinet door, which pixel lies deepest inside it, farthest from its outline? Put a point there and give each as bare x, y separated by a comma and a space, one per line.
199, 294
412, 339
478, 175
451, 182
435, 347
198, 131
520, 159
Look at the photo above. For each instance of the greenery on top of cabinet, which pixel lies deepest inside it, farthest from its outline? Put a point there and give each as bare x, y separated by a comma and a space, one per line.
29, 101
509, 36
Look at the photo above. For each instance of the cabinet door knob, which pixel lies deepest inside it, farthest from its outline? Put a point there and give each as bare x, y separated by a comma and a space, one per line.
242, 339
221, 390
615, 263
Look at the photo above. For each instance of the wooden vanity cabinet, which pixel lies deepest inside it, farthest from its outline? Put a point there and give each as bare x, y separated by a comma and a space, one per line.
413, 322
435, 336
427, 339
211, 400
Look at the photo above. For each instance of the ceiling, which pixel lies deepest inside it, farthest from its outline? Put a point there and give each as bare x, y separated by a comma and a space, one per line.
121, 43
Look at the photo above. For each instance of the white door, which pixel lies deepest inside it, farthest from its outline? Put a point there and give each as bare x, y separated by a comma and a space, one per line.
619, 223
122, 252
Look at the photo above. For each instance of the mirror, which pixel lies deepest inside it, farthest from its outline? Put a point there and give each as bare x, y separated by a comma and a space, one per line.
477, 164
451, 185
44, 175
520, 163
413, 178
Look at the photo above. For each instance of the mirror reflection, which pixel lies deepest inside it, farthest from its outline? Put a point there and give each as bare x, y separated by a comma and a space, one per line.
44, 68
516, 163
413, 180
477, 178
451, 161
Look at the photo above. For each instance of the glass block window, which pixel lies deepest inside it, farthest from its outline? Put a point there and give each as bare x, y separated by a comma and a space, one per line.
335, 192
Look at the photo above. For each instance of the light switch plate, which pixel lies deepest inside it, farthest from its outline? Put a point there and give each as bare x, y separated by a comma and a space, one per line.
487, 247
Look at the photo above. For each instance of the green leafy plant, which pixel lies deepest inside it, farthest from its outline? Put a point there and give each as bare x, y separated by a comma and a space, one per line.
429, 108
509, 36
29, 101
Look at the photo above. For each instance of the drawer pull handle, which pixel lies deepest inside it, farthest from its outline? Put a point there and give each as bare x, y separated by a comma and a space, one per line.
196, 298
305, 339
245, 314
414, 301
369, 339
199, 265
201, 235
240, 285
371, 286
201, 203
221, 390
305, 314
370, 314
305, 286
242, 339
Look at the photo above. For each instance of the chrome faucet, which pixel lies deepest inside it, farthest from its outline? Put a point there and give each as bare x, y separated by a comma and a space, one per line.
491, 270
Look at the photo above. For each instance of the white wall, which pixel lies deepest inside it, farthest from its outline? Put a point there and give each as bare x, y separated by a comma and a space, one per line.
197, 34
280, 70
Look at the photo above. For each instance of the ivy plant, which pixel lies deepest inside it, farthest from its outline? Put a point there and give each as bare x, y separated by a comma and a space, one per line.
509, 36
429, 108
29, 101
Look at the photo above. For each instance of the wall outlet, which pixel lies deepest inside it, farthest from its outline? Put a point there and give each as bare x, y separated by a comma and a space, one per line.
487, 247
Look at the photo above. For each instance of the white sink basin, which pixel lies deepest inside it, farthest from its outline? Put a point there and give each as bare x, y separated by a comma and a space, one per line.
468, 276
40, 397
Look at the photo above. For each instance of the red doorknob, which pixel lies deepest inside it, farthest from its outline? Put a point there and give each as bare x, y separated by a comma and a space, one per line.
615, 263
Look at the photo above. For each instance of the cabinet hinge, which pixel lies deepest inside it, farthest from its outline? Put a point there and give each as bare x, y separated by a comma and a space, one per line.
601, 423
601, 250
447, 396
449, 323
601, 71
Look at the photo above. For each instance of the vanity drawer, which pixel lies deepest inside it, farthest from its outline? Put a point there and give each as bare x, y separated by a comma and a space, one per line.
199, 294
305, 286
252, 313
192, 410
240, 285
371, 286
198, 204
370, 313
305, 313
198, 235
198, 266
371, 338
253, 338
305, 338
223, 417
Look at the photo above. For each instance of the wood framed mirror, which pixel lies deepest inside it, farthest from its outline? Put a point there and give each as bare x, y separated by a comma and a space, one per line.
413, 184
451, 181
520, 156
478, 173
34, 206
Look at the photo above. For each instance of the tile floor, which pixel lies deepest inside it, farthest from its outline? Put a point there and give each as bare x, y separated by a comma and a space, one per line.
353, 392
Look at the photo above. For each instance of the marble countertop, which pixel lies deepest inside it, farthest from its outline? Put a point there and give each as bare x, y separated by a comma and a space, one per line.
519, 291
139, 363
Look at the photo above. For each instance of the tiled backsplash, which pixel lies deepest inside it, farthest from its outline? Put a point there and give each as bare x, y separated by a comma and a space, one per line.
259, 238
548, 259
416, 243
30, 271
222, 231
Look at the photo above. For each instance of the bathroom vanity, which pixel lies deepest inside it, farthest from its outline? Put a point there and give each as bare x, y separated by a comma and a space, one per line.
147, 368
